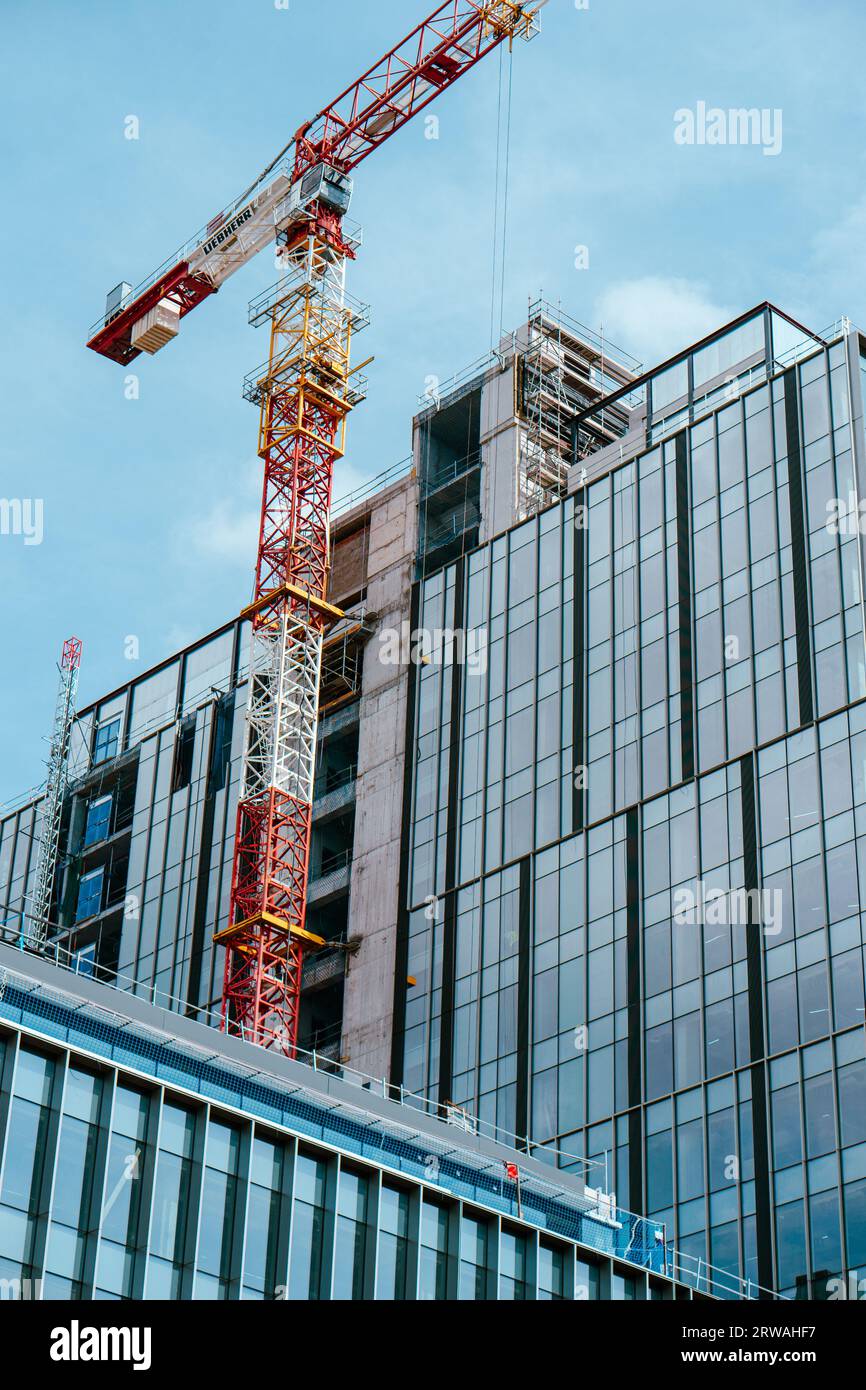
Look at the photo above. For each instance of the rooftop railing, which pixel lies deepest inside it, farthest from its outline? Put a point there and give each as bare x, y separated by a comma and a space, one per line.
17, 803
333, 780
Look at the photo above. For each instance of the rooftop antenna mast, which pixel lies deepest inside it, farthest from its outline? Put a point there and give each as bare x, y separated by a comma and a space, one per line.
55, 791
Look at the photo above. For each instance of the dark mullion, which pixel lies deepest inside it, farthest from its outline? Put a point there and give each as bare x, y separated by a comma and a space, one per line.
579, 664
635, 1020
449, 947
686, 617
757, 1030
798, 548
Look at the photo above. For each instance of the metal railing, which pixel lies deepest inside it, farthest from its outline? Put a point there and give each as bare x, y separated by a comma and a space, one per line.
22, 800
321, 967
325, 1038
443, 533
331, 863
332, 876
810, 344
344, 504
437, 396
66, 959
629, 1237
706, 1278
457, 468
332, 781
336, 721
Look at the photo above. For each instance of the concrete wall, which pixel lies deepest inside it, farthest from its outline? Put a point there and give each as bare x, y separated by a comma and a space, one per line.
369, 997
500, 442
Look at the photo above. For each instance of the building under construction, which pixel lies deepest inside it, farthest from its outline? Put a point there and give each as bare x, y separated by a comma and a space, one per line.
478, 913
532, 746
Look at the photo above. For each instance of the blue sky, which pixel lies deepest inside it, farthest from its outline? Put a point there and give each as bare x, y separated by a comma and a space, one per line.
150, 504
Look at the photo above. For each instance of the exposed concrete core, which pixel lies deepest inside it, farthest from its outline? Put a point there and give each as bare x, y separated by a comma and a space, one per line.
500, 447
369, 992
539, 377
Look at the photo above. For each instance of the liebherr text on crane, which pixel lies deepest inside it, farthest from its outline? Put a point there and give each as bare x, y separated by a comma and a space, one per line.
305, 394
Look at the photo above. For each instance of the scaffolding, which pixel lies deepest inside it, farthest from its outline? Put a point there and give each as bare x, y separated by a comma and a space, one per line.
55, 790
343, 661
564, 368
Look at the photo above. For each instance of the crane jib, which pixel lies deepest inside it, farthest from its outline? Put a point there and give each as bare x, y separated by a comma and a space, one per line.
434, 56
227, 231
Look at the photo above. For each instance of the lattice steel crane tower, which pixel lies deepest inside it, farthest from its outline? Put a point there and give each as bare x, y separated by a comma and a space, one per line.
305, 395
55, 791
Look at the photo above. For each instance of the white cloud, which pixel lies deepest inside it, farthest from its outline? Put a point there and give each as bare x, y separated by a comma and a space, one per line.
227, 527
228, 533
653, 317
838, 259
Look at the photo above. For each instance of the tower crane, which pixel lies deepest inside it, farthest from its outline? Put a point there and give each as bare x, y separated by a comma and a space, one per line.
305, 393
55, 790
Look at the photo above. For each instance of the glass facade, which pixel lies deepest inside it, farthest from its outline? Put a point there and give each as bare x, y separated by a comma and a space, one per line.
116, 1185
32, 1122
72, 1205
148, 831
633, 917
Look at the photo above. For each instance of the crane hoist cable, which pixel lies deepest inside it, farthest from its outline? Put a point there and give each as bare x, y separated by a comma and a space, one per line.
501, 195
504, 260
495, 232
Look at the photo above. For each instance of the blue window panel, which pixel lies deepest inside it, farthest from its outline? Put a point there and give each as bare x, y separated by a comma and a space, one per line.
89, 895
107, 741
98, 821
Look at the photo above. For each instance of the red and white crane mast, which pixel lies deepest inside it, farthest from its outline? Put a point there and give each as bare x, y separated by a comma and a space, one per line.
305, 395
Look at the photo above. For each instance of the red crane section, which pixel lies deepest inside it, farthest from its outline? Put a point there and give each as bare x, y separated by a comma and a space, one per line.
405, 81
429, 60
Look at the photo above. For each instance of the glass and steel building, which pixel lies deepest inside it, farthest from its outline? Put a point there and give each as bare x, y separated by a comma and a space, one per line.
146, 1157
587, 854
632, 908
